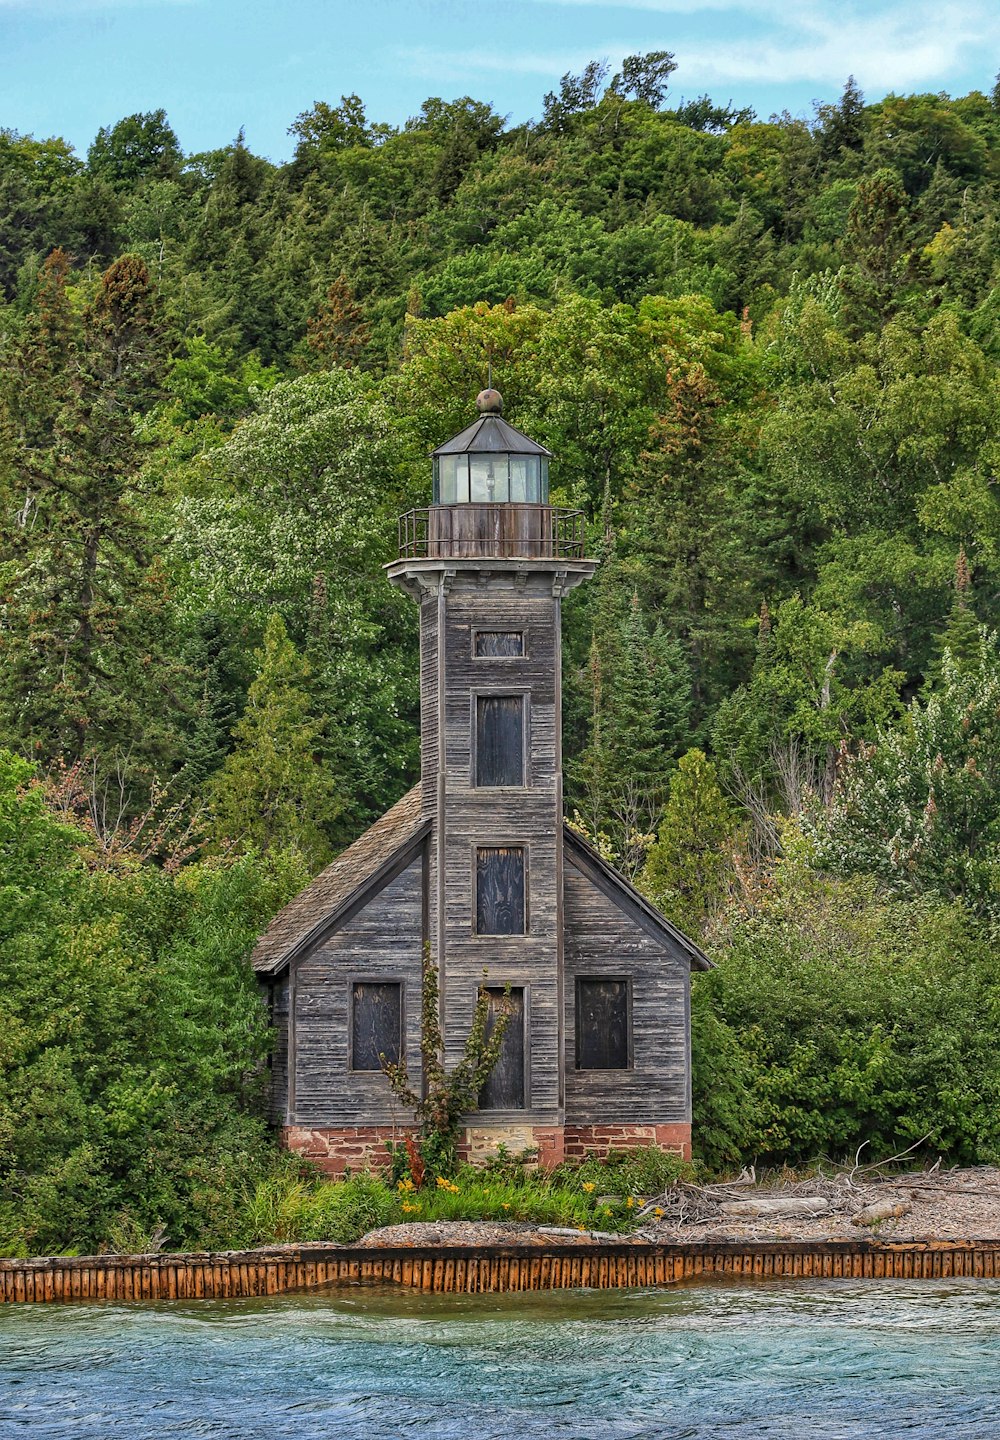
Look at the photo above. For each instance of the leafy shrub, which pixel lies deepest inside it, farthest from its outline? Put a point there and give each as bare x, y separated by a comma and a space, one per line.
841, 1015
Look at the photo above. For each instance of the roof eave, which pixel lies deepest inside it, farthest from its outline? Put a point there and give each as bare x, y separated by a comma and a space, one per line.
697, 957
395, 861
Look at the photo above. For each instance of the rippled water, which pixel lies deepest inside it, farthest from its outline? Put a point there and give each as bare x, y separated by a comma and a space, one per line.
800, 1359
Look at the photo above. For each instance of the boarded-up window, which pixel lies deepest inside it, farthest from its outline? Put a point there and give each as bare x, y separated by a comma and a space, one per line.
500, 740
499, 643
602, 1024
500, 891
376, 1024
504, 1090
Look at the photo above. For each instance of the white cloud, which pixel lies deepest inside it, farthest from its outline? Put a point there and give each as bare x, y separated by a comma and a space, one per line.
901, 45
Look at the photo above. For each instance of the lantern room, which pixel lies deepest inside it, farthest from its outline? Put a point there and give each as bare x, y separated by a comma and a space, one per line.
491, 463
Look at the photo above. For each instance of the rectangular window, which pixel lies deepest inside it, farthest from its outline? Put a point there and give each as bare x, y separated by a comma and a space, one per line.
504, 1090
500, 891
602, 1024
376, 1023
499, 739
499, 644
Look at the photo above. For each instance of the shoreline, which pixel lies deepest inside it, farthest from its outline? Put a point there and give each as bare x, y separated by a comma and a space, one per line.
483, 1269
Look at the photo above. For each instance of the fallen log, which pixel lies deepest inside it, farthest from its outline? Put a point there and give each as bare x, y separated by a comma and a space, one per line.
779, 1205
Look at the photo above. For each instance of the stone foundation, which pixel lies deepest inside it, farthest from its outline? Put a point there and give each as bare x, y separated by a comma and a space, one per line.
358, 1147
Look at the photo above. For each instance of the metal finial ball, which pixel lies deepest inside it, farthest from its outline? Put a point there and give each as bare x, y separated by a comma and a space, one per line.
489, 402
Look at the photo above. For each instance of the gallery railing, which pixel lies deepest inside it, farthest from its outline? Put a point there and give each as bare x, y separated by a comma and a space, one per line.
509, 532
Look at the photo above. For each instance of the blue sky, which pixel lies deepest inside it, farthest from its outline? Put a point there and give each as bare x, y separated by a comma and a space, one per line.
70, 66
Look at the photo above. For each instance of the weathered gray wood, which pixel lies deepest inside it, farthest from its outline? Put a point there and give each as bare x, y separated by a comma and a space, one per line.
603, 1039
500, 908
504, 1090
380, 943
470, 816
490, 530
278, 1088
602, 940
500, 740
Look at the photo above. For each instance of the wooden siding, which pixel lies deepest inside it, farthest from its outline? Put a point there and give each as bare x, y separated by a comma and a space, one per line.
278, 1087
382, 942
469, 817
484, 1269
602, 939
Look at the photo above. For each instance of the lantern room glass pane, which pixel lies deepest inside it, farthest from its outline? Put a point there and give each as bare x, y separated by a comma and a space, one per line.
488, 482
524, 475
451, 479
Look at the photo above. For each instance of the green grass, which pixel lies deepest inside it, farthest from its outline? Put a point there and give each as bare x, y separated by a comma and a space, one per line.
593, 1195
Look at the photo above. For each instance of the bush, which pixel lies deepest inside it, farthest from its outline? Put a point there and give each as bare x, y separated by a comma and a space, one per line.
841, 1015
132, 1039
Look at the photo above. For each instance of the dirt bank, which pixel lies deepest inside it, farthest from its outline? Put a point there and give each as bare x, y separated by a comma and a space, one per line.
844, 1205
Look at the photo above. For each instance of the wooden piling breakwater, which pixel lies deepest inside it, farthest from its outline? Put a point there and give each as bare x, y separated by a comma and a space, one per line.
482, 1269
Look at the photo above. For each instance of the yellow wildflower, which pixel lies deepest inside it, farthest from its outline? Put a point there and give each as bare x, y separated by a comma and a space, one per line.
505, 1205
659, 1212
589, 1186
410, 1209
629, 1203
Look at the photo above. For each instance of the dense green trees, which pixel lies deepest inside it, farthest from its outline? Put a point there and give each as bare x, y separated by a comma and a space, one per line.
133, 1039
765, 355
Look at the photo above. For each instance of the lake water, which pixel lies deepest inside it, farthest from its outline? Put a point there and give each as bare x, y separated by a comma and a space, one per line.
798, 1359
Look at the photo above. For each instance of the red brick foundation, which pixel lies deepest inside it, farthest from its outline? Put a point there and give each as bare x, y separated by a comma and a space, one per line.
359, 1147
578, 1139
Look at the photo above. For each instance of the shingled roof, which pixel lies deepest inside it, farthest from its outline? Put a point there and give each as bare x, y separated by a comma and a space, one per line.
318, 907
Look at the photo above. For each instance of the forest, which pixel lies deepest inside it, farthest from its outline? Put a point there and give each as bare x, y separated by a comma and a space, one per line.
766, 357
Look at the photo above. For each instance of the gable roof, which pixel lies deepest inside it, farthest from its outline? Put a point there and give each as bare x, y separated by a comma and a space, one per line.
356, 870
586, 859
378, 854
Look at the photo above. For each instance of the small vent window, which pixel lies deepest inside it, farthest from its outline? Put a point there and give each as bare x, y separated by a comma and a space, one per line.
376, 1024
500, 740
504, 1090
602, 1024
500, 891
499, 644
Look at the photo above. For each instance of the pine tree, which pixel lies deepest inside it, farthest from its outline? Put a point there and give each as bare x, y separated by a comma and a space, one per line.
687, 870
272, 792
961, 637
84, 637
338, 334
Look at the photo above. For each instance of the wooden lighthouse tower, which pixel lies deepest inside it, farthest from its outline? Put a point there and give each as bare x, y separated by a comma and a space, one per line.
477, 863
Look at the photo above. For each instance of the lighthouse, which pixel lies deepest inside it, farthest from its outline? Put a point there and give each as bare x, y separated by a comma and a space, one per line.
477, 866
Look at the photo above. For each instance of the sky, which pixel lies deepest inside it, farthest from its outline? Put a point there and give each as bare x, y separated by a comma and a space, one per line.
70, 66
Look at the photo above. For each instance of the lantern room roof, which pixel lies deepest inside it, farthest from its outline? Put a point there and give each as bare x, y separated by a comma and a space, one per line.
490, 435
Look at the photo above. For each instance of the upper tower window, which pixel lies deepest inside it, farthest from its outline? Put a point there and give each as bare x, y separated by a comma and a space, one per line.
498, 644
